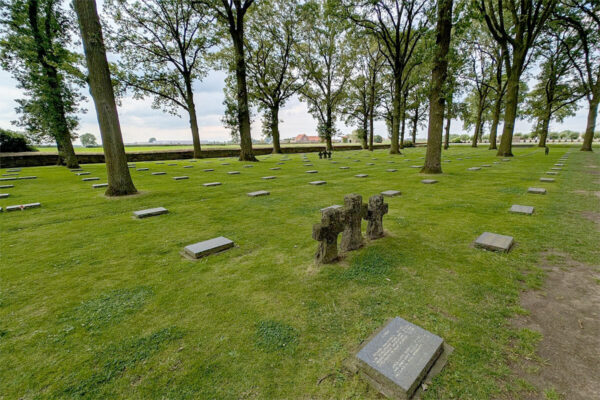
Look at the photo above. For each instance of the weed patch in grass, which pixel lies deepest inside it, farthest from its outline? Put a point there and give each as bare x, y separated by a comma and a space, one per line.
272, 336
369, 266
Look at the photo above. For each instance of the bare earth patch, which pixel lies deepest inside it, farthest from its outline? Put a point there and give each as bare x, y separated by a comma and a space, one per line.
566, 311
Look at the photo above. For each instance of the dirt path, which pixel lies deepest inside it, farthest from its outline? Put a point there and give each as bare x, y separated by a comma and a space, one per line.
567, 313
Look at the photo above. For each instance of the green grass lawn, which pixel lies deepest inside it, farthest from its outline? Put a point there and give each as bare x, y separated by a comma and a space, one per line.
96, 304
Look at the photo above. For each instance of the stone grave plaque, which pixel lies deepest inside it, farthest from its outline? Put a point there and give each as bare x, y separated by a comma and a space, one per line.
536, 190
27, 177
344, 167
494, 242
90, 179
210, 184
429, 181
99, 185
7, 179
547, 180
559, 165
22, 207
79, 169
188, 166
391, 170
269, 177
474, 169
391, 193
361, 175
259, 193
556, 169
180, 178
208, 247
312, 171
171, 165
14, 174
151, 212
522, 209
14, 170
248, 166
225, 163
234, 172
275, 169
370, 163
4, 195
486, 165
131, 166
139, 169
280, 163
6, 186
397, 359
551, 173
308, 165
317, 183
416, 166
506, 159
159, 173
334, 207
82, 173
209, 170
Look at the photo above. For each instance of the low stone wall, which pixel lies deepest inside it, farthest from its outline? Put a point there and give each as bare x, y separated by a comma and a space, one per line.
12, 160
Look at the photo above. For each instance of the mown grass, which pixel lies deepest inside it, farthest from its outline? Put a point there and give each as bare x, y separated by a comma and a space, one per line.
96, 304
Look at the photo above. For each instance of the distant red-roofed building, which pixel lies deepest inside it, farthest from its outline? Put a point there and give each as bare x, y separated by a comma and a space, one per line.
307, 139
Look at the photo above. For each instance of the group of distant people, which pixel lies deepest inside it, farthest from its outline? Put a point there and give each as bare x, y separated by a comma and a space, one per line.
325, 154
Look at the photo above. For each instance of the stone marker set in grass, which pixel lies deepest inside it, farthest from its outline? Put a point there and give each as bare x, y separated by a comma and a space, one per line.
547, 180
348, 221
22, 207
233, 172
248, 166
16, 174
344, 167
14, 170
99, 185
159, 173
207, 247
361, 176
551, 173
312, 172
90, 179
534, 190
6, 186
83, 173
399, 357
4, 195
259, 193
151, 212
22, 178
391, 170
140, 169
391, 193
317, 183
180, 178
188, 166
7, 179
275, 169
209, 170
269, 177
474, 169
429, 181
528, 210
494, 242
211, 184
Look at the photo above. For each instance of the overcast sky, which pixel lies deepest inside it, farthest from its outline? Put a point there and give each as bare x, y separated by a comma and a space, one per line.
139, 121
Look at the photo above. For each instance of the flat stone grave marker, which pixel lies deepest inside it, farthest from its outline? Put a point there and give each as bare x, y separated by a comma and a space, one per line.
474, 169
15, 174
82, 173
27, 177
22, 207
131, 166
559, 165
459, 159
248, 166
192, 161
280, 163
506, 159
4, 195
188, 166
317, 183
225, 163
308, 165
391, 170
547, 180
551, 173
90, 179
356, 160
416, 166
429, 181
391, 193
344, 167
207, 247
6, 186
210, 184
333, 207
139, 169
150, 212
370, 163
522, 209
159, 173
275, 169
486, 165
14, 170
100, 185
209, 170
494, 242
259, 193
234, 172
171, 165
536, 190
268, 177
159, 162
556, 169
361, 175
312, 171
180, 178
80, 170
397, 359
7, 179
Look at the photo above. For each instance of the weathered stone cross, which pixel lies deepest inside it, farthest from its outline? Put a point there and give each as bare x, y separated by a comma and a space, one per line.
327, 233
354, 212
376, 210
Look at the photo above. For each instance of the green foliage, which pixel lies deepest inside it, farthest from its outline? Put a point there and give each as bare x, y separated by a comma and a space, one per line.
152, 140
273, 336
13, 142
370, 266
378, 139
88, 140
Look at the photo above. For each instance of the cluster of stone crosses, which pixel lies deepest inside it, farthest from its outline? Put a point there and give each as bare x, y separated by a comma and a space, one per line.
347, 220
325, 154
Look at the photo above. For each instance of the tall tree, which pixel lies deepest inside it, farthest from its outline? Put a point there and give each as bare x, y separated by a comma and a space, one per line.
231, 14
325, 60
119, 179
398, 26
584, 17
271, 60
36, 35
162, 46
515, 25
498, 87
557, 91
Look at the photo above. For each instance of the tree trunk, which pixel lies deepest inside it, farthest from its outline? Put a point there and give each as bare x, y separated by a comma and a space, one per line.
365, 133
510, 114
591, 124
191, 106
447, 136
275, 129
246, 152
403, 132
414, 127
495, 121
477, 133
396, 110
437, 100
119, 179
58, 120
371, 129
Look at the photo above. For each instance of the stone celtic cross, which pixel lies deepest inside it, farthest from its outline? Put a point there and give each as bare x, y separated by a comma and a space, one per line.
327, 233
354, 212
376, 210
